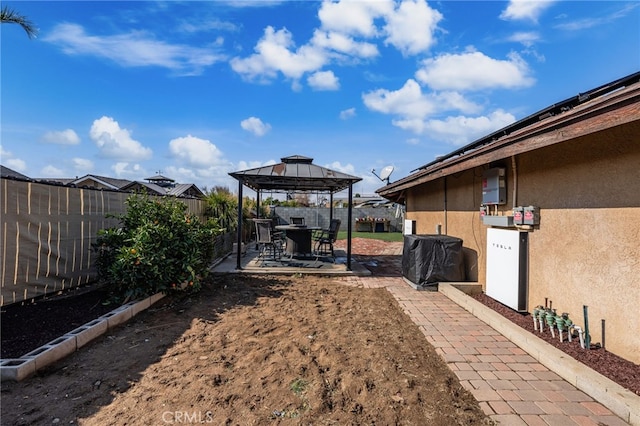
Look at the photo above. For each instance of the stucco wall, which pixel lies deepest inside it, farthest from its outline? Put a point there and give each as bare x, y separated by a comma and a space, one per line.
586, 250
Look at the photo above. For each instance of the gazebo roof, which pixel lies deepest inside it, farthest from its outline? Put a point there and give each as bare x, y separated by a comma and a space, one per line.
295, 173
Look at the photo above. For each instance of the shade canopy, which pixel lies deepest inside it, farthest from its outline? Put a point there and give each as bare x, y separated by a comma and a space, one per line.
295, 173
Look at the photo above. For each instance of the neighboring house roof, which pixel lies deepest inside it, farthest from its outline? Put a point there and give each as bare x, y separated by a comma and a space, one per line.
185, 189
103, 181
159, 178
12, 174
90, 181
604, 107
179, 190
150, 188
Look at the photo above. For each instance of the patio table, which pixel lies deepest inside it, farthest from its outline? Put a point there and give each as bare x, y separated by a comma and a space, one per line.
298, 239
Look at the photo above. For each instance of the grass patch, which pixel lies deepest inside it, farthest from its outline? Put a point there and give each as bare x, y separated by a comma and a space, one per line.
383, 236
298, 386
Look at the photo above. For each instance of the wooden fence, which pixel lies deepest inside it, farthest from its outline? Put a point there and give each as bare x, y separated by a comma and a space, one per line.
47, 235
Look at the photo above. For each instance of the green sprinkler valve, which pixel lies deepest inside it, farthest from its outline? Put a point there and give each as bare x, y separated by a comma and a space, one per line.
536, 313
561, 323
568, 325
551, 320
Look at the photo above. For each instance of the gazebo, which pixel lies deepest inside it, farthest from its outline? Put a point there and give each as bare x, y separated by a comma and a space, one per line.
295, 173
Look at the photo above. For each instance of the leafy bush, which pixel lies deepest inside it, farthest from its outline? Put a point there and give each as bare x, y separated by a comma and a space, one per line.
159, 248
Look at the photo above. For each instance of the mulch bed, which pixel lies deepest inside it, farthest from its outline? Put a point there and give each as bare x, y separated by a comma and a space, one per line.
623, 372
27, 326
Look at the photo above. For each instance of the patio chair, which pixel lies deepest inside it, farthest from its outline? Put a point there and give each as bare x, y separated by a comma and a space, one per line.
270, 245
324, 240
296, 220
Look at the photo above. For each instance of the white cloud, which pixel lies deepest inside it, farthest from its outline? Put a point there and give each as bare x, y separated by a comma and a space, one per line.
527, 38
273, 55
195, 152
411, 26
525, 10
114, 142
16, 164
128, 170
323, 80
339, 39
592, 22
62, 137
13, 163
413, 141
133, 49
206, 24
412, 110
209, 177
461, 130
256, 126
474, 71
353, 17
347, 113
408, 101
246, 165
337, 166
343, 43
51, 171
82, 165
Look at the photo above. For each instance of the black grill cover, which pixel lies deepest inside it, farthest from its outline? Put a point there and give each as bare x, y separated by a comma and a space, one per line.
429, 259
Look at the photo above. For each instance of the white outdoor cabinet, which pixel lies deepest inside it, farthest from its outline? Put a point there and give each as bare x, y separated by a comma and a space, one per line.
507, 267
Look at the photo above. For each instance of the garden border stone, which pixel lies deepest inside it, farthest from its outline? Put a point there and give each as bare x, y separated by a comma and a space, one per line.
18, 369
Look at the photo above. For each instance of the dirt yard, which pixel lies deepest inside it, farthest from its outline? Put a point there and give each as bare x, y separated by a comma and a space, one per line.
252, 351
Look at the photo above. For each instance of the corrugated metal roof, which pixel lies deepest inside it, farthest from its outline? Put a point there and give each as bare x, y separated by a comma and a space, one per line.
295, 173
183, 189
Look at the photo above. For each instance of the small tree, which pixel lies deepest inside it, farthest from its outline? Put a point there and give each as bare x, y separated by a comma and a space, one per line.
222, 206
158, 248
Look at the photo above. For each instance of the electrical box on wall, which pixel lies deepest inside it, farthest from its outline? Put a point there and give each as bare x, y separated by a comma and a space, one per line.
531, 216
494, 186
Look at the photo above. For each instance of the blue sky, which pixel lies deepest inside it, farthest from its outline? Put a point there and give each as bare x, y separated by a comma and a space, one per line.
195, 90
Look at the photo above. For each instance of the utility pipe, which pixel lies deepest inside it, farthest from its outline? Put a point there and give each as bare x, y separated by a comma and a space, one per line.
446, 230
569, 324
602, 333
515, 181
581, 334
587, 338
536, 312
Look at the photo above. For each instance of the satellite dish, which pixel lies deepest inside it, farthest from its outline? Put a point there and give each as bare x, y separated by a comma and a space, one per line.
384, 174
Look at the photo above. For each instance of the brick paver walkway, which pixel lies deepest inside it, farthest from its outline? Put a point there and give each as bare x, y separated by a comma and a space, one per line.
511, 386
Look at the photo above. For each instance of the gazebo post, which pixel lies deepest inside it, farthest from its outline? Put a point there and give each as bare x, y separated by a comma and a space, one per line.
349, 220
258, 204
239, 247
330, 206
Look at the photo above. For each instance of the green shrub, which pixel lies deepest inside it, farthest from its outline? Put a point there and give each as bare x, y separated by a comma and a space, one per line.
159, 248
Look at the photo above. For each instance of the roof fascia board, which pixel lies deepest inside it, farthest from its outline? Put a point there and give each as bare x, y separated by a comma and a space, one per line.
562, 129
